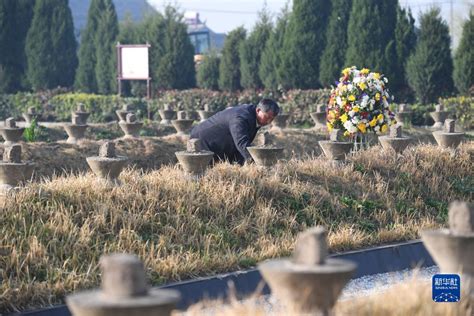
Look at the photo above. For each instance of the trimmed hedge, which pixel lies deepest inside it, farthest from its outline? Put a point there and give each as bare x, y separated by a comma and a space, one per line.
102, 107
298, 102
57, 105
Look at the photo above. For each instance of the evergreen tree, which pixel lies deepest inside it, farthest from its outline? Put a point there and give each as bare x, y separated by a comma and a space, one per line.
24, 15
304, 43
405, 38
151, 30
128, 31
7, 42
208, 72
251, 51
15, 19
430, 67
64, 44
176, 69
106, 37
51, 45
271, 56
333, 58
371, 36
464, 58
229, 69
86, 75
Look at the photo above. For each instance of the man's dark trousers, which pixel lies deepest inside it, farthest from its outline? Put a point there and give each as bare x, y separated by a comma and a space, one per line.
228, 133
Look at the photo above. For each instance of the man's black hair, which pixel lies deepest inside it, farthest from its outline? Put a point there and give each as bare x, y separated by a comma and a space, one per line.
269, 105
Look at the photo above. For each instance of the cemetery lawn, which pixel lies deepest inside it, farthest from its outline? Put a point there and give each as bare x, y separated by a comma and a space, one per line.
53, 232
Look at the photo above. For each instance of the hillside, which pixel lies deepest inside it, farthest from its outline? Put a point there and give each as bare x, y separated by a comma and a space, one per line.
136, 8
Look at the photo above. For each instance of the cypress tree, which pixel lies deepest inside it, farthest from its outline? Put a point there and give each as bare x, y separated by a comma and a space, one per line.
430, 67
127, 31
153, 31
333, 58
86, 76
51, 46
24, 15
15, 19
64, 44
271, 56
208, 72
304, 43
405, 38
176, 69
371, 35
7, 44
464, 58
251, 51
229, 69
106, 36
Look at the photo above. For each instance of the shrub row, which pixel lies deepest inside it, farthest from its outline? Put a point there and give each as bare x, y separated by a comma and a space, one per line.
57, 105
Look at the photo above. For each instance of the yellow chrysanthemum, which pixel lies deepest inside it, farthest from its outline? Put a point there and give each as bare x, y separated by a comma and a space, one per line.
377, 96
356, 109
329, 126
373, 122
384, 128
351, 98
344, 118
376, 75
362, 128
380, 117
346, 133
346, 71
362, 86
364, 71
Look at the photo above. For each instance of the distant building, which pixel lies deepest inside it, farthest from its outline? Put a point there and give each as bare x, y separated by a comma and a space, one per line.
202, 37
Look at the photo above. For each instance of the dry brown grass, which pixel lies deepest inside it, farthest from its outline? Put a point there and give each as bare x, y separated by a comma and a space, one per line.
411, 298
54, 232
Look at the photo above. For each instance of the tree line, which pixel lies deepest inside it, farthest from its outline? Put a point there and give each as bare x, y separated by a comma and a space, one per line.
307, 47
43, 54
304, 48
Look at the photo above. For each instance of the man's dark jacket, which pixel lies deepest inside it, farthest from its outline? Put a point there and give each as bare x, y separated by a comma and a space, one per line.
228, 133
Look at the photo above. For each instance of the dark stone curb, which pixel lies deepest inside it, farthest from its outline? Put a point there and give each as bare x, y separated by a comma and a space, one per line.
394, 257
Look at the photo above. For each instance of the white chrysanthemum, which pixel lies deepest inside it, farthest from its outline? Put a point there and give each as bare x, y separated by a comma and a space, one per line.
351, 128
352, 113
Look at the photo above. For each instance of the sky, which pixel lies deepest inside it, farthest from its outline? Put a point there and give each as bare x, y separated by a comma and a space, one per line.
223, 16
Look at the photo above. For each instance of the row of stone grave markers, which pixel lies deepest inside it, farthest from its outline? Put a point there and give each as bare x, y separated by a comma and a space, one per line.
403, 116
337, 148
107, 166
131, 126
309, 282
194, 161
